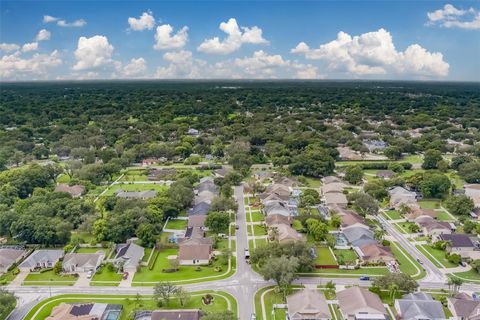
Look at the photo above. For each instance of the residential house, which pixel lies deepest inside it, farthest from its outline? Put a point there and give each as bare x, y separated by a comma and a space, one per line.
193, 132
351, 219
206, 186
307, 304
385, 174
205, 196
41, 259
360, 304
400, 195
262, 175
10, 256
81, 262
279, 190
275, 219
197, 221
333, 187
375, 253
183, 314
283, 233
419, 305
222, 172
136, 195
206, 179
195, 251
75, 191
431, 227
459, 243
473, 192
375, 145
149, 162
464, 307
416, 212
276, 207
347, 154
286, 182
336, 199
128, 256
85, 311
201, 208
330, 179
359, 235
265, 197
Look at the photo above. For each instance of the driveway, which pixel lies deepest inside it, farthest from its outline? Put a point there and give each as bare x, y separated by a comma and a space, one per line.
19, 279
126, 283
82, 281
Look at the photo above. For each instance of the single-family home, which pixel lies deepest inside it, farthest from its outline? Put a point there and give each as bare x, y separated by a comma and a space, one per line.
205, 196
81, 262
262, 175
193, 132
128, 256
347, 154
330, 179
351, 219
41, 259
400, 195
149, 162
222, 172
416, 211
375, 145
209, 179
375, 253
183, 314
385, 174
206, 186
473, 192
307, 304
336, 199
419, 305
265, 197
10, 256
464, 307
276, 207
287, 182
459, 243
85, 311
136, 195
201, 208
279, 190
360, 304
75, 191
197, 221
195, 251
275, 219
283, 233
333, 187
359, 235
431, 227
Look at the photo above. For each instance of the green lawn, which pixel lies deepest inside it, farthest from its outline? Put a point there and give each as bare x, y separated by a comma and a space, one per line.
325, 257
112, 278
50, 278
407, 263
177, 224
470, 275
270, 298
429, 204
186, 274
146, 255
7, 277
259, 230
444, 216
338, 273
130, 303
82, 237
439, 255
313, 182
256, 216
105, 251
392, 214
403, 227
345, 256
135, 187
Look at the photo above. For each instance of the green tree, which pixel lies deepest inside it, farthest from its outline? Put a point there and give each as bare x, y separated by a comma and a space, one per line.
403, 281
354, 174
459, 205
282, 270
431, 159
392, 153
317, 229
435, 185
163, 292
218, 222
309, 197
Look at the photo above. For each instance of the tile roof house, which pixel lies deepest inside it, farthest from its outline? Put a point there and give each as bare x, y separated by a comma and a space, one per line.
128, 256
351, 219
333, 187
140, 195
201, 208
9, 256
336, 198
359, 303
418, 212
169, 315
279, 190
265, 197
274, 219
222, 172
206, 186
419, 305
308, 304
464, 307
85, 311
75, 191
399, 195
195, 251
204, 196
347, 154
283, 233
375, 253
41, 259
197, 221
432, 227
359, 235
330, 179
81, 262
385, 174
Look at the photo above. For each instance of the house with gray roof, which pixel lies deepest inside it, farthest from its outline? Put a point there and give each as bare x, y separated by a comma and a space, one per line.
276, 207
419, 306
201, 208
464, 307
360, 304
10, 256
41, 259
359, 235
136, 195
307, 304
81, 262
128, 256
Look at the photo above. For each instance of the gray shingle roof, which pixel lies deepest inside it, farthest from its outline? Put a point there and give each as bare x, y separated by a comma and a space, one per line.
40, 257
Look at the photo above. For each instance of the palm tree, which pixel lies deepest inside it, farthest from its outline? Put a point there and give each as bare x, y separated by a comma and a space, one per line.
454, 284
393, 290
379, 234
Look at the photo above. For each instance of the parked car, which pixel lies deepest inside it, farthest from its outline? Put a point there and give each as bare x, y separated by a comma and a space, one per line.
365, 278
89, 274
237, 226
247, 254
253, 317
125, 275
419, 261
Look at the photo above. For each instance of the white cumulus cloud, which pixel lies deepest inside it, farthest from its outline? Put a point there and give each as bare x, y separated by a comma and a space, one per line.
9, 47
146, 21
43, 35
63, 23
136, 67
27, 47
451, 17
48, 19
93, 52
165, 39
236, 36
14, 66
374, 53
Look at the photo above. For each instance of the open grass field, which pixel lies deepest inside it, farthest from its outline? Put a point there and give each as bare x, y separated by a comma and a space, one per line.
185, 274
135, 187
222, 301
429, 204
104, 277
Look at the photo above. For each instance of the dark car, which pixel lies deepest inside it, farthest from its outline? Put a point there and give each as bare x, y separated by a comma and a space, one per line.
365, 278
125, 276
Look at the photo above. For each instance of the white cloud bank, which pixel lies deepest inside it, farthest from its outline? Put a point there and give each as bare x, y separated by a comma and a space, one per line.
14, 66
43, 35
236, 36
165, 39
374, 53
9, 47
63, 23
92, 53
27, 47
146, 21
451, 17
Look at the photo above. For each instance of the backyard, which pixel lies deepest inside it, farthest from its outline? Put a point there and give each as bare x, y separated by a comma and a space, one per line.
177, 224
346, 257
135, 187
325, 257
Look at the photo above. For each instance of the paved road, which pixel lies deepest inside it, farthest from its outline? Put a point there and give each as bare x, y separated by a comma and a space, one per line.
242, 285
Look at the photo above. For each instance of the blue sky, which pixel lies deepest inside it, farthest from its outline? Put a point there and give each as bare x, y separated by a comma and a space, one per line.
259, 39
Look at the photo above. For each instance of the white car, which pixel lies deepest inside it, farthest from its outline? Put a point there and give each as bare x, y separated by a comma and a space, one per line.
89, 274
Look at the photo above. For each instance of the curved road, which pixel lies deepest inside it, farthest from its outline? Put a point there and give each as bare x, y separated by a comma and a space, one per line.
242, 285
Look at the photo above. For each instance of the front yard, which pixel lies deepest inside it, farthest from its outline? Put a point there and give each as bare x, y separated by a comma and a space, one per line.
105, 277
404, 227
391, 214
436, 256
49, 278
406, 262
